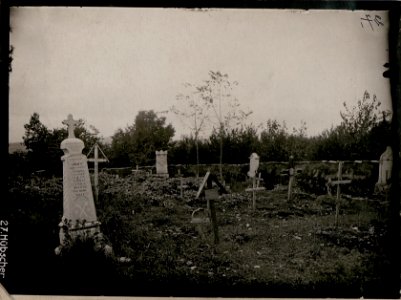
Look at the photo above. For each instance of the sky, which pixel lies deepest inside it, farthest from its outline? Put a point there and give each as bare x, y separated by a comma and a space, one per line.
103, 65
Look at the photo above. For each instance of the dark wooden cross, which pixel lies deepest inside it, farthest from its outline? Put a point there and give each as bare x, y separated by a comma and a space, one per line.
211, 194
71, 123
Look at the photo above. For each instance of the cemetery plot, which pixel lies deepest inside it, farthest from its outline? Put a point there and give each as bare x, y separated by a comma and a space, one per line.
278, 249
191, 237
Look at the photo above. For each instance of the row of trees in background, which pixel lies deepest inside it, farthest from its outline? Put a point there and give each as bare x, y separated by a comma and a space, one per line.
43, 146
211, 102
364, 133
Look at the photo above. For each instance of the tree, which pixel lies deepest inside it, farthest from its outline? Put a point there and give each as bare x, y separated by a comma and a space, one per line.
137, 144
43, 144
362, 134
329, 145
357, 124
360, 119
36, 135
298, 143
239, 143
192, 113
118, 152
273, 140
380, 137
223, 107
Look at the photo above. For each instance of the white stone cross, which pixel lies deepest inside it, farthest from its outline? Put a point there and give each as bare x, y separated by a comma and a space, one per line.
71, 123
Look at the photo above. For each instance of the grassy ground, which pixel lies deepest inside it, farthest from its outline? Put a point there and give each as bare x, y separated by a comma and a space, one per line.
280, 249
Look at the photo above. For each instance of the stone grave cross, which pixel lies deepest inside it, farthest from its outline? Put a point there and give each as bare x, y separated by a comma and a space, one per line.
71, 123
79, 213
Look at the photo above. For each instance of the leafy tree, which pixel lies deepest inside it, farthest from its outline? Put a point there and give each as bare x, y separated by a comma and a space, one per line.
361, 134
43, 144
379, 137
360, 119
330, 145
246, 141
136, 145
36, 135
223, 107
273, 139
191, 113
18, 165
118, 152
298, 143
239, 143
357, 124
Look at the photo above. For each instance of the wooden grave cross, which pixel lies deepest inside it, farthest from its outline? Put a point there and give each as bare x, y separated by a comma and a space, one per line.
339, 182
182, 185
211, 194
255, 187
96, 160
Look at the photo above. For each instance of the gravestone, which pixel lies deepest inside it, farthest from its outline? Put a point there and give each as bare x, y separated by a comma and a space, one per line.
161, 163
79, 213
385, 166
253, 165
253, 168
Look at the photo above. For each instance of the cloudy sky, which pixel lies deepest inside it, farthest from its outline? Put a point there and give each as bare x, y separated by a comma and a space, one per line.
105, 64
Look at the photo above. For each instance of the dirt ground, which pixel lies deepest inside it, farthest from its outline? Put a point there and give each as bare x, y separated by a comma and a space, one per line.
280, 249
280, 246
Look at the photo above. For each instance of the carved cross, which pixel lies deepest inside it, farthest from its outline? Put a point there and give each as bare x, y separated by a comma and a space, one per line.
71, 123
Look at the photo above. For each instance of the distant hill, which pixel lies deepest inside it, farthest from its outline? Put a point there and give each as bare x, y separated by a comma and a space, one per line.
14, 147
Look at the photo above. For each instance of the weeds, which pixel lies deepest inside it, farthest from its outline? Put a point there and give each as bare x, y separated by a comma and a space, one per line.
277, 250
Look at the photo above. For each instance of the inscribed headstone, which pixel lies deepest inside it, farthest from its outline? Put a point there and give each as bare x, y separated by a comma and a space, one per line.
253, 165
161, 162
78, 204
385, 166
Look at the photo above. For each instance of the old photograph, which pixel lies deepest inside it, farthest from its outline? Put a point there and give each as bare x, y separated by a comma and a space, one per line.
210, 152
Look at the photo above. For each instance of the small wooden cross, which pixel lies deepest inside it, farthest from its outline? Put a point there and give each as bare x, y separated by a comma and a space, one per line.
71, 123
96, 160
211, 195
255, 187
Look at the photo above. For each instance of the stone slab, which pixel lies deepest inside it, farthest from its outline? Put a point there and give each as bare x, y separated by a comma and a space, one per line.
78, 203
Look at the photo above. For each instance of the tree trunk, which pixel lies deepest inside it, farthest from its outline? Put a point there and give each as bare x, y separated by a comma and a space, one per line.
221, 155
197, 156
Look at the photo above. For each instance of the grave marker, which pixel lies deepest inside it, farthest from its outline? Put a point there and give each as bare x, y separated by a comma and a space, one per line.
253, 165
253, 168
211, 195
182, 185
339, 182
78, 204
385, 166
161, 163
96, 160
